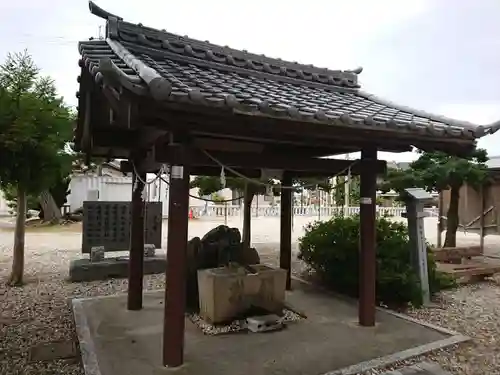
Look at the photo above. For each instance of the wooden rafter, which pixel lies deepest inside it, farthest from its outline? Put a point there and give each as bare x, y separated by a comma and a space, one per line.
288, 162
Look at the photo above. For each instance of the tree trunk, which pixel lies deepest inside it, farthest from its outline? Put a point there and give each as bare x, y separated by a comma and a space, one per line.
50, 210
247, 214
452, 218
16, 277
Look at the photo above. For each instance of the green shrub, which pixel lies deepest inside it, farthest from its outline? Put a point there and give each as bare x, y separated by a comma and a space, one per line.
331, 249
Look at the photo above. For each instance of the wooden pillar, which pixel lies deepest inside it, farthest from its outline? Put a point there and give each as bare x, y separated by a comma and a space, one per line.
136, 251
286, 228
247, 215
175, 288
482, 193
367, 257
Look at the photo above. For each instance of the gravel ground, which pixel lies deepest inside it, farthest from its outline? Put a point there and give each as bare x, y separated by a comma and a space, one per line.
39, 311
474, 311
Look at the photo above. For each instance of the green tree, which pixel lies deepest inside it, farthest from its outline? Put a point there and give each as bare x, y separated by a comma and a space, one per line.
83, 163
437, 171
59, 190
354, 193
314, 183
212, 184
35, 127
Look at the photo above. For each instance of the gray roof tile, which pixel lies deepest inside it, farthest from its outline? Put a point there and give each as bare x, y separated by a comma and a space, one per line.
188, 70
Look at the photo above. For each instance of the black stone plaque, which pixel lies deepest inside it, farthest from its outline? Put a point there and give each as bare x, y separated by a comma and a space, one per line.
108, 224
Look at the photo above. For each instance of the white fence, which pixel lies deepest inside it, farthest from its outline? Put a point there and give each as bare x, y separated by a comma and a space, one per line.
311, 211
111, 188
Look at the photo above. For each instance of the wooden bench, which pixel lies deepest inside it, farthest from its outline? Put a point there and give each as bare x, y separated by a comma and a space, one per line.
465, 263
456, 254
471, 271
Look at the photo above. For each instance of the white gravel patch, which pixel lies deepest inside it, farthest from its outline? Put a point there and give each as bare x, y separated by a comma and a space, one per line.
39, 312
474, 311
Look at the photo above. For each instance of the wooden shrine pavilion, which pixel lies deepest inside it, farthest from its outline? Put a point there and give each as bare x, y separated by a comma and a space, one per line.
155, 98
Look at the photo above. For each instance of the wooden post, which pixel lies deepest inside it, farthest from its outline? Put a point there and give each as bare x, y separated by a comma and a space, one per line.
367, 258
175, 293
440, 220
136, 251
247, 215
286, 228
483, 195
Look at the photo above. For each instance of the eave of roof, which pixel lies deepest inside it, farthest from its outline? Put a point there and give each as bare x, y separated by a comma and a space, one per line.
157, 63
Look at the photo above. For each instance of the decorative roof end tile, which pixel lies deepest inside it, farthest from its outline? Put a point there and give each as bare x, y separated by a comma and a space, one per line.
101, 13
160, 88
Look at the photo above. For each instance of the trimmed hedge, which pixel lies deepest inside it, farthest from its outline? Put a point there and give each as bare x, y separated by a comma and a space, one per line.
331, 249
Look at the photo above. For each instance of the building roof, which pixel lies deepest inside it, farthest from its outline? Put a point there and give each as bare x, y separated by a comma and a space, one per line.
493, 162
176, 68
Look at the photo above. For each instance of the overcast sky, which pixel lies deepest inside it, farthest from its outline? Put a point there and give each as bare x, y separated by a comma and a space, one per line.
441, 56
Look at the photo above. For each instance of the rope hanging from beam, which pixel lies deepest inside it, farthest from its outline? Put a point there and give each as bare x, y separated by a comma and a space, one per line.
164, 170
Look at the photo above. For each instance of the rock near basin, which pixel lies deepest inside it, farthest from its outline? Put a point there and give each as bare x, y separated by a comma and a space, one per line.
217, 248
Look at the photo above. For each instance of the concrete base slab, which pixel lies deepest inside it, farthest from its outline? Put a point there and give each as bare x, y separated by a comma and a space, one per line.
117, 267
115, 341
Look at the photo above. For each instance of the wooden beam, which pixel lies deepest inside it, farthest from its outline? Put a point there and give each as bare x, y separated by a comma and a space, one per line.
112, 97
136, 251
114, 137
256, 173
126, 167
367, 239
323, 147
111, 153
219, 144
274, 130
292, 163
286, 228
175, 294
216, 119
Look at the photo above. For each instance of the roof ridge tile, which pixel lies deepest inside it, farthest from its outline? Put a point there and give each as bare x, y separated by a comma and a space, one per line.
184, 45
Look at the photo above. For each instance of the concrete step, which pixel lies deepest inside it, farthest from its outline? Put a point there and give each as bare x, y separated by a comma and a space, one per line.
421, 368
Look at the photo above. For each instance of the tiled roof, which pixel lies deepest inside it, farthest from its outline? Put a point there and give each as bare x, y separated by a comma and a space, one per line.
175, 68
